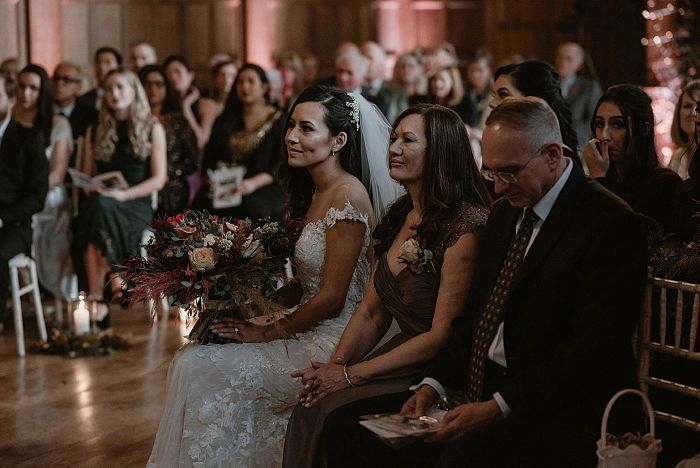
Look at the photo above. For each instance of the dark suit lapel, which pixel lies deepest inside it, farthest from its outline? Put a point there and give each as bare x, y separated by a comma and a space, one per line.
555, 224
9, 140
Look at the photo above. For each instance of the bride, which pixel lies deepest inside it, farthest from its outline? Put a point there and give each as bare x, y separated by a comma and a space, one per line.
228, 405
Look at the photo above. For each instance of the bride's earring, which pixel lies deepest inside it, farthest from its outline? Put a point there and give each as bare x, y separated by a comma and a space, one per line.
332, 152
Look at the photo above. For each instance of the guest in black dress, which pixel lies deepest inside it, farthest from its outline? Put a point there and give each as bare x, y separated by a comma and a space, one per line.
249, 132
181, 142
128, 139
199, 111
622, 157
539, 79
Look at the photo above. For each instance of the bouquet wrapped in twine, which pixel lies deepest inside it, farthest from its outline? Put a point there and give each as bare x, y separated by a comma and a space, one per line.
213, 267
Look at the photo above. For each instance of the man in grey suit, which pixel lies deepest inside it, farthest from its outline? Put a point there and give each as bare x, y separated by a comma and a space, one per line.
580, 92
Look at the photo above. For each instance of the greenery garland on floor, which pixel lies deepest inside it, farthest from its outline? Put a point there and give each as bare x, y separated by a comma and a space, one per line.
65, 342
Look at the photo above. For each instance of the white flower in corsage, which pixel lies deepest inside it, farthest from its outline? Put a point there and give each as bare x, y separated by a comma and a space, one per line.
202, 258
417, 258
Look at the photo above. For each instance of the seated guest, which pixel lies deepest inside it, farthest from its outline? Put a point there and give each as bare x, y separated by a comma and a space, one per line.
479, 87
129, 139
66, 80
391, 100
622, 157
351, 71
34, 109
409, 76
223, 74
141, 53
443, 212
580, 92
248, 133
683, 129
199, 111
546, 338
309, 69
106, 59
10, 66
289, 66
180, 140
445, 87
24, 180
539, 79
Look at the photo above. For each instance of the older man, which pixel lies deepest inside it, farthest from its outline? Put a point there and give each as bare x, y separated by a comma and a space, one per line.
545, 340
390, 99
24, 181
351, 71
580, 92
67, 79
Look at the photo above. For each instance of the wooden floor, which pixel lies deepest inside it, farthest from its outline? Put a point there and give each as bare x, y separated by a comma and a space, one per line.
87, 412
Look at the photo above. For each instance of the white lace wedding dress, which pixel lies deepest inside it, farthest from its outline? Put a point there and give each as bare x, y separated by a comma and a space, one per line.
228, 405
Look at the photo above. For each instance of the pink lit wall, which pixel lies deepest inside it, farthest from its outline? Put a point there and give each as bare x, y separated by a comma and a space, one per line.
45, 35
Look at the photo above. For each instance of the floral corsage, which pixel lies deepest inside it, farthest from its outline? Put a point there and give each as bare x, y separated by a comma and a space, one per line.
417, 258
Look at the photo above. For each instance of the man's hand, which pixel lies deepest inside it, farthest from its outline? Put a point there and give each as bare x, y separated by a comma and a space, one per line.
465, 418
418, 405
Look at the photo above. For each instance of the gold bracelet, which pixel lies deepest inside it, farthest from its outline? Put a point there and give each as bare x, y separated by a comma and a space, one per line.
347, 377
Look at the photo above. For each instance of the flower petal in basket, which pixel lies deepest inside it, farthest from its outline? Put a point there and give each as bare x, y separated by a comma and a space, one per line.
632, 456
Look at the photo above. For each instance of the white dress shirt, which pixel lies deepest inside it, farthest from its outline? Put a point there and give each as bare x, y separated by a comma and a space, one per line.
497, 350
66, 111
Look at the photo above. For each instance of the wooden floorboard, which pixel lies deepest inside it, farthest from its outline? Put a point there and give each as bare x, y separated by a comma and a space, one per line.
85, 412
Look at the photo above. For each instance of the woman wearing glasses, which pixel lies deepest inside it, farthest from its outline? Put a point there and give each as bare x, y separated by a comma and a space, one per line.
622, 157
180, 140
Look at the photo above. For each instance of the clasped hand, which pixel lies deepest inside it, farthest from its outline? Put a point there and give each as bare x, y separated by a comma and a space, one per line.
319, 381
242, 331
597, 158
457, 422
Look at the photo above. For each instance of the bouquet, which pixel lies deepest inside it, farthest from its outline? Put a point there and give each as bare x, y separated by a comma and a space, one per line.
213, 267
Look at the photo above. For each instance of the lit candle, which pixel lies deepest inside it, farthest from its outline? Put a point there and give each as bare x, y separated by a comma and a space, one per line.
81, 318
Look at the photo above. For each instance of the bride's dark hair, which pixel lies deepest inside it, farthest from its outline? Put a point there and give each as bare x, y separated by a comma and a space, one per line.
337, 117
450, 179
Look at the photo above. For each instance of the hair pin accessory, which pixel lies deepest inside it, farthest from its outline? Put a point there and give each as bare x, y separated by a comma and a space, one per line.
354, 111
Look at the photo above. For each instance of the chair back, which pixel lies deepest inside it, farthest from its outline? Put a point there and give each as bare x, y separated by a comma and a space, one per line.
667, 339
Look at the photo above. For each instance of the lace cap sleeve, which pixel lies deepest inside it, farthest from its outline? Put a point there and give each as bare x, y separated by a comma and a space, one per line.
469, 218
348, 213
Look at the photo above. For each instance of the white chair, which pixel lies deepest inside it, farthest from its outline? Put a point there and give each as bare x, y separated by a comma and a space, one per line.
16, 263
145, 238
164, 306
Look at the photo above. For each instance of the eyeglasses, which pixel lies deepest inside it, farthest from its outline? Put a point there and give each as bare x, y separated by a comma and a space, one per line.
65, 79
155, 84
509, 177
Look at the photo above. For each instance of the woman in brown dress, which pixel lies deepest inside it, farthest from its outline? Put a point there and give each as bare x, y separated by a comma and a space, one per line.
425, 248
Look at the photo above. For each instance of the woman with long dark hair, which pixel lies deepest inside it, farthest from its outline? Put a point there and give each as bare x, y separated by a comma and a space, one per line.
622, 157
180, 140
52, 225
228, 404
539, 79
248, 133
425, 246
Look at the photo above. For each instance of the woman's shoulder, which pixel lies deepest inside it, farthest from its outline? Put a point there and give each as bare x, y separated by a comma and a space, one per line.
349, 198
467, 218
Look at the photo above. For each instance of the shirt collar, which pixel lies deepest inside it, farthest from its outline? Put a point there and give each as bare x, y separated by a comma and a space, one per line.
3, 125
67, 110
567, 83
544, 206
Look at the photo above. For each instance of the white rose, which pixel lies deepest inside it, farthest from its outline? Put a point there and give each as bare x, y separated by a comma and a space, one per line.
202, 258
410, 251
210, 239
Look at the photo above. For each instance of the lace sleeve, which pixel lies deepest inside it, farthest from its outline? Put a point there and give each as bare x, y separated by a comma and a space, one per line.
348, 213
469, 218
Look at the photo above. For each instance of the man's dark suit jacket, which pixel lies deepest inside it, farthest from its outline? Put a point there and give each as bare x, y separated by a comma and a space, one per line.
89, 99
24, 178
568, 321
81, 118
582, 99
